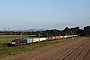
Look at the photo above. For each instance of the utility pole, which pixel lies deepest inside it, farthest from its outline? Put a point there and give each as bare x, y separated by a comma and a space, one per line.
8, 30
21, 34
4, 31
47, 34
39, 36
17, 32
9, 33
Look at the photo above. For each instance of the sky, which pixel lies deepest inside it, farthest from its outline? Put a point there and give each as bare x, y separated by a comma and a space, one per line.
44, 14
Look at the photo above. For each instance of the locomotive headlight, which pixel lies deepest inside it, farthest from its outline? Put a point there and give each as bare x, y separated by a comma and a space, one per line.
13, 42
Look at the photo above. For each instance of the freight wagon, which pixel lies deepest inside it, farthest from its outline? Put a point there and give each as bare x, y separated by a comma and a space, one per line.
34, 40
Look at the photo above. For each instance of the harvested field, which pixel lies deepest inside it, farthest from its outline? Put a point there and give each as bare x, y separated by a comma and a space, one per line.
70, 50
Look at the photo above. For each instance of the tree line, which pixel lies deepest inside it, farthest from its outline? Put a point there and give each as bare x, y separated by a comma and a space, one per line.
54, 32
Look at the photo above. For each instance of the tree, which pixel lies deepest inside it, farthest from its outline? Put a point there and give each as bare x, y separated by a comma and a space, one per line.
87, 31
81, 32
75, 30
67, 31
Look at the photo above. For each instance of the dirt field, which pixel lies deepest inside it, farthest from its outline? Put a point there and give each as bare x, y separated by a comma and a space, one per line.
71, 50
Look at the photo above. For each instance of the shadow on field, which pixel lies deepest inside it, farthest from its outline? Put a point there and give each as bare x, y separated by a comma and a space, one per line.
8, 44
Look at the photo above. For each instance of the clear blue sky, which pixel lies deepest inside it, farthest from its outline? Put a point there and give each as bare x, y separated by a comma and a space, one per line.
44, 14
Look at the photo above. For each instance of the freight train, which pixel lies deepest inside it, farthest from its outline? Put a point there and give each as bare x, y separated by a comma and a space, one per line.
34, 40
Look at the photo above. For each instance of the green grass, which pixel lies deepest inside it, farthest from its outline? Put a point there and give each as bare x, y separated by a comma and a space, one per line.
3, 41
10, 51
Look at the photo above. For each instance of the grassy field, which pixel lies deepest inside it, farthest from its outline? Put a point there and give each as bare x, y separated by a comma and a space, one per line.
10, 51
3, 41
